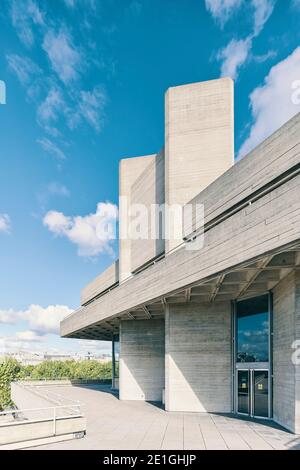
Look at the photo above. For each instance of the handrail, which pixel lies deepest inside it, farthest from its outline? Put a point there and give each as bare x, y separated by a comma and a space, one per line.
16, 410
54, 417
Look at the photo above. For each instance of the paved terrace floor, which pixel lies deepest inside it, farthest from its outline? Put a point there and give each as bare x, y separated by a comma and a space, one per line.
114, 424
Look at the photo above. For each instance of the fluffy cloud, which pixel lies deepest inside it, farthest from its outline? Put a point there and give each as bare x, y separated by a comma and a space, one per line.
29, 336
63, 55
272, 103
52, 148
9, 317
45, 320
221, 10
92, 233
237, 51
233, 56
5, 223
41, 320
17, 345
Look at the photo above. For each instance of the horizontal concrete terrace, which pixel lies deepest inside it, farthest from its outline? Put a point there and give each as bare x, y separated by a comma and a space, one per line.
114, 424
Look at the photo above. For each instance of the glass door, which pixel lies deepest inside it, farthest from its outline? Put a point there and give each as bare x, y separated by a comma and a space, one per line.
253, 392
260, 392
252, 357
243, 389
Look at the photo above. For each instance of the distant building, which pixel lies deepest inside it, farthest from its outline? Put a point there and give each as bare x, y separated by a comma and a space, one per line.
33, 359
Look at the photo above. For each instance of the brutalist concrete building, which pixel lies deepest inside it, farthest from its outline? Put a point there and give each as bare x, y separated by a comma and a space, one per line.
209, 326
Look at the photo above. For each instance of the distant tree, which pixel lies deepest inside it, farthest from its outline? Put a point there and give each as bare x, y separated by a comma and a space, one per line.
26, 371
53, 370
10, 370
86, 370
92, 370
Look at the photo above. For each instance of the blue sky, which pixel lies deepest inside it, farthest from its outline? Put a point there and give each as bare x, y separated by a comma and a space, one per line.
85, 83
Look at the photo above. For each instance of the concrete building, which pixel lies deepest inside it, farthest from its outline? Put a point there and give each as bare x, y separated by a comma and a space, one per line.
210, 326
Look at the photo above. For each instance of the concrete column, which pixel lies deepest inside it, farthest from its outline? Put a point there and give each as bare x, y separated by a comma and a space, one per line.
198, 357
142, 353
149, 191
286, 325
129, 170
199, 143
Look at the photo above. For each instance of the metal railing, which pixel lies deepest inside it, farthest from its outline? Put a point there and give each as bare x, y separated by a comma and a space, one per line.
19, 416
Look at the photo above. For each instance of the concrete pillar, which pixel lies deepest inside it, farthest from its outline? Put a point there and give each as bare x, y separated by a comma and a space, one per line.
199, 142
142, 354
286, 375
129, 170
198, 357
149, 191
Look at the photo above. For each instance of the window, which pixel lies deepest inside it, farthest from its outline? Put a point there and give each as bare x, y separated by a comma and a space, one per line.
116, 354
253, 330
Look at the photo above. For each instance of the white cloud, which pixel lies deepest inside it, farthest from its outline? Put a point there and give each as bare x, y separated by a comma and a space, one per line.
52, 148
92, 233
45, 320
221, 10
237, 51
24, 14
63, 55
271, 103
91, 106
72, 105
51, 106
12, 344
58, 189
23, 67
233, 56
57, 222
264, 57
41, 320
5, 223
263, 9
9, 316
29, 336
83, 105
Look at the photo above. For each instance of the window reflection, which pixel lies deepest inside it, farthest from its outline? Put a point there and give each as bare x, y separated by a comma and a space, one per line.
253, 330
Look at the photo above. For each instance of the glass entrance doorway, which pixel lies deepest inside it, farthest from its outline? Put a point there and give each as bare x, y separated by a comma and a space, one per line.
253, 357
253, 392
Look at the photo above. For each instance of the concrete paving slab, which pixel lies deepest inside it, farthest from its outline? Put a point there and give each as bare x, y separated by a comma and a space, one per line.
114, 424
